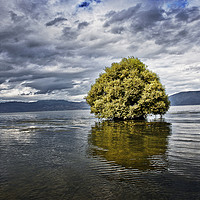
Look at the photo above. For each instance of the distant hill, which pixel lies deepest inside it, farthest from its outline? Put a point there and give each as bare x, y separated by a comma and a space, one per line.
182, 98
43, 105
185, 98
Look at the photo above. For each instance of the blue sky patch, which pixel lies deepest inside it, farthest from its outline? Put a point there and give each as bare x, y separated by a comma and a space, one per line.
84, 4
87, 3
178, 4
97, 1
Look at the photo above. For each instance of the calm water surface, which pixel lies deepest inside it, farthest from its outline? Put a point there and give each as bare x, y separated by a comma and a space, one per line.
72, 155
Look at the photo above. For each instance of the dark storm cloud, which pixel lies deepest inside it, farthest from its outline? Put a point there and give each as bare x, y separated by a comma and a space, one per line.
21, 43
166, 27
17, 39
15, 18
178, 28
42, 81
69, 33
15, 73
110, 14
32, 8
28, 50
149, 21
182, 16
55, 21
4, 67
170, 38
13, 33
117, 30
54, 82
188, 15
146, 19
120, 16
82, 25
47, 85
24, 49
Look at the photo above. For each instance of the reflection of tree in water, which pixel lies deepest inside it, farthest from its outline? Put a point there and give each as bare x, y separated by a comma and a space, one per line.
139, 145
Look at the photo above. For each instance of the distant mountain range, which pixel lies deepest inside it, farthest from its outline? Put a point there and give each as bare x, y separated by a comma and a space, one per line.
185, 98
43, 105
182, 98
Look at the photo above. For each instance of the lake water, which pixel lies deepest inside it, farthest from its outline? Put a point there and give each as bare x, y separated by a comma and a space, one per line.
72, 155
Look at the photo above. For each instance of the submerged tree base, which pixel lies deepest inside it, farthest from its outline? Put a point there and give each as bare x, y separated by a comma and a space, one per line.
135, 118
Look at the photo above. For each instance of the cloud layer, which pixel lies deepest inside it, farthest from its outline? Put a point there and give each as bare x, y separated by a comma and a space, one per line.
55, 49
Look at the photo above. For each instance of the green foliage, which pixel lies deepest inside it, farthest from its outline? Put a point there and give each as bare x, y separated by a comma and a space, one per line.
127, 90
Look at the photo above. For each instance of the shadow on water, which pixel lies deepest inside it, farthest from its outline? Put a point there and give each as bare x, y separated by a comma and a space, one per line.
132, 144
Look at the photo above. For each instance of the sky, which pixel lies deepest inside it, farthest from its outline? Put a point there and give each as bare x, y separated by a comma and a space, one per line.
55, 49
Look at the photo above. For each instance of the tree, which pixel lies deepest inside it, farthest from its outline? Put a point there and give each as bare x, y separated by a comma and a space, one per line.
127, 90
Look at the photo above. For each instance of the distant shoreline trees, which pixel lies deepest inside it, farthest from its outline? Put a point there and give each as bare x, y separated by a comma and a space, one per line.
127, 90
